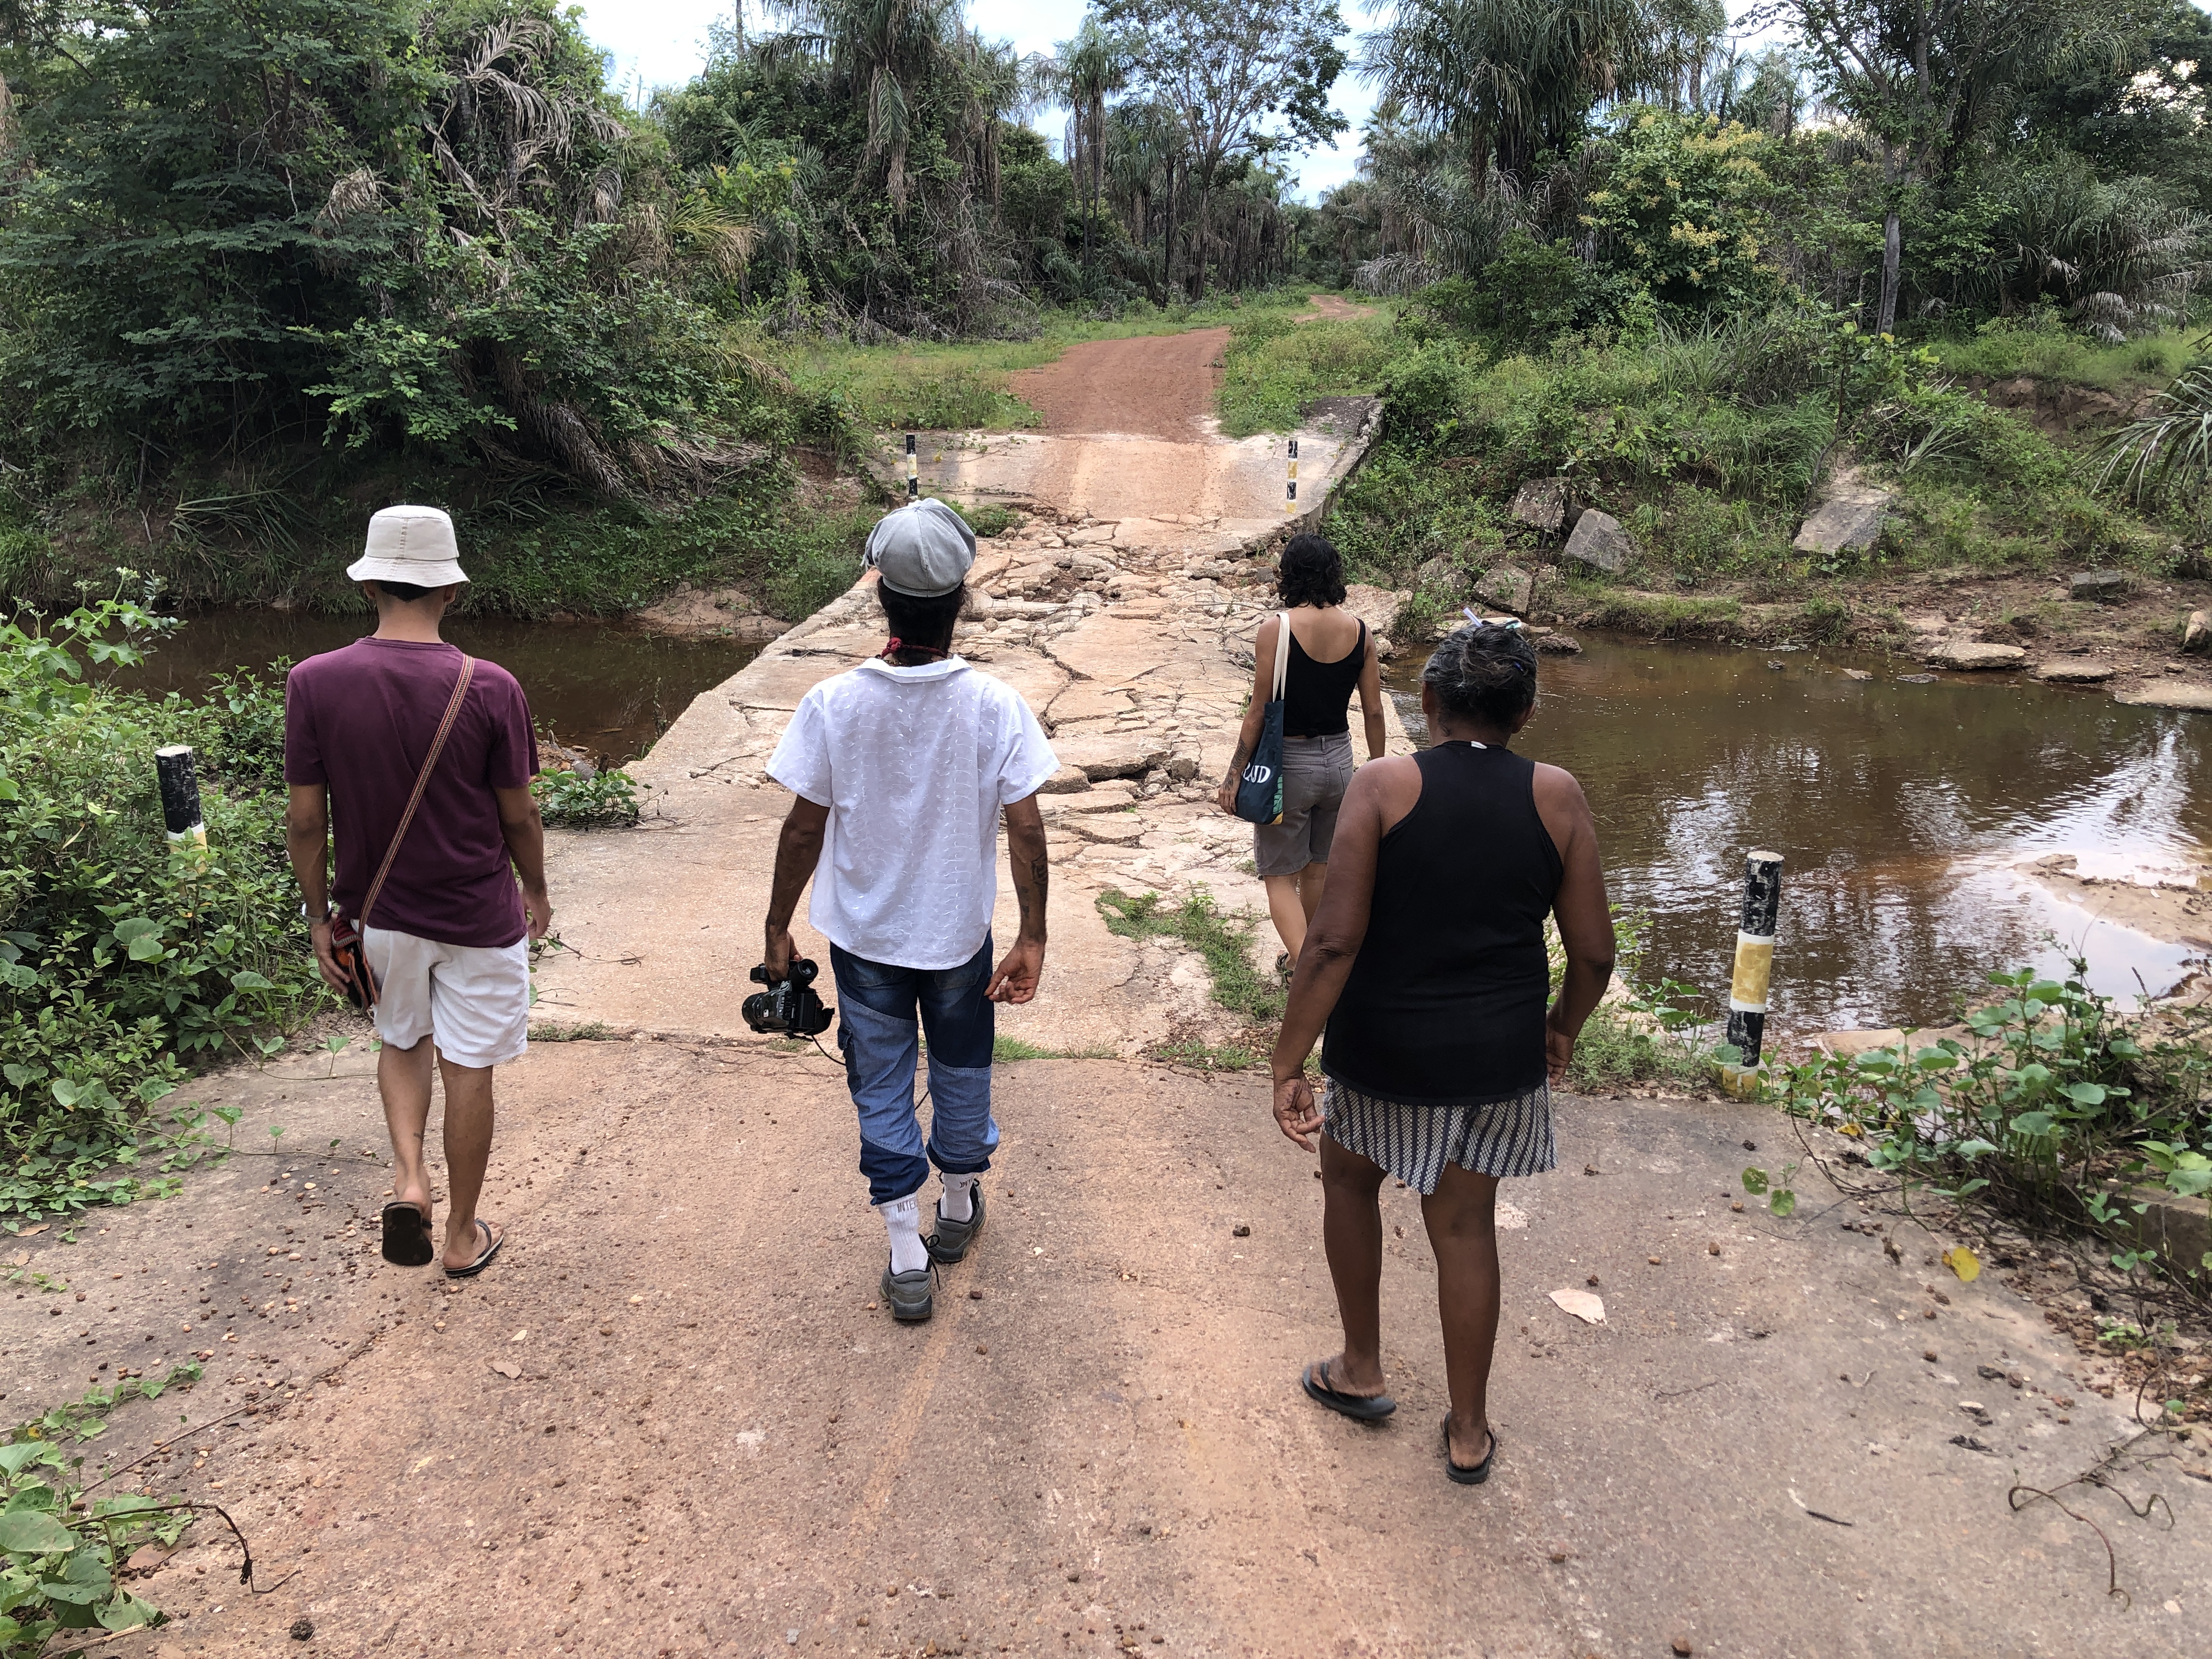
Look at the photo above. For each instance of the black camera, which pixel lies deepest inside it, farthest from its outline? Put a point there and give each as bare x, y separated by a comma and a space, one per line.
790, 1004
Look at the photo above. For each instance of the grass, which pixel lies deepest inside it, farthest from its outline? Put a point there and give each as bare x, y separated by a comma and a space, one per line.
1274, 366
1612, 1051
1222, 939
589, 1032
2046, 350
964, 385
1209, 1057
1005, 1050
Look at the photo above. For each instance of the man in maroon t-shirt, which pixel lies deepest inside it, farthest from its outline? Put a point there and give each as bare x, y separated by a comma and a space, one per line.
448, 937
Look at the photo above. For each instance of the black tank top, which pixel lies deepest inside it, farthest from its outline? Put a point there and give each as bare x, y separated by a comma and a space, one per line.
1446, 999
1315, 694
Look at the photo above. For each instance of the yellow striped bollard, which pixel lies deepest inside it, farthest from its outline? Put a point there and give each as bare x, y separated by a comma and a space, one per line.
913, 471
1754, 971
1290, 484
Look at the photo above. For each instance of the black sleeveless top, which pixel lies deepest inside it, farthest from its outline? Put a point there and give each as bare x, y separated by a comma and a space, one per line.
1446, 1000
1316, 694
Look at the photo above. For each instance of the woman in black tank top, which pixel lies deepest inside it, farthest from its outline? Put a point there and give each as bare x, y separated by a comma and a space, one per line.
1292, 856
1426, 961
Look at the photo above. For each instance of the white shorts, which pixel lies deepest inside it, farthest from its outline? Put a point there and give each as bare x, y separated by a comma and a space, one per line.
473, 998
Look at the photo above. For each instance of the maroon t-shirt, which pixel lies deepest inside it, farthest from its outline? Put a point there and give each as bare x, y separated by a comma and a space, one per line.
360, 721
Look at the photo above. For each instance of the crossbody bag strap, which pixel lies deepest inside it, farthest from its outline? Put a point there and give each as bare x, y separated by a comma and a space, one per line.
421, 782
1282, 658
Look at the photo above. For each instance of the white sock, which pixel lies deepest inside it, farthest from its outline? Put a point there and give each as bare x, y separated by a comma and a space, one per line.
902, 1221
956, 1204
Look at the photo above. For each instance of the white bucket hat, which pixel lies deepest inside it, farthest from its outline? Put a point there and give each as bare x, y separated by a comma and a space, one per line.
410, 544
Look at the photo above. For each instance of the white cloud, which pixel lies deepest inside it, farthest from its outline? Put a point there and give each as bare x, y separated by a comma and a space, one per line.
662, 43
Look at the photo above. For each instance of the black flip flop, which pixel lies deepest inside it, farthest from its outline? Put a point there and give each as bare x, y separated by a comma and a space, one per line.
483, 1261
406, 1236
1363, 1408
1460, 1473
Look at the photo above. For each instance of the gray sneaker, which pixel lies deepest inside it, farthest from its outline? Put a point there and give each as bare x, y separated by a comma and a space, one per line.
909, 1293
951, 1239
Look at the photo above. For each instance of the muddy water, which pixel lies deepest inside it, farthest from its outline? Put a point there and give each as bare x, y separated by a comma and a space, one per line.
1901, 809
597, 686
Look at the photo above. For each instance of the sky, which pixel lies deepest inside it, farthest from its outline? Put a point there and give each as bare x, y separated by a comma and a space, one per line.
665, 41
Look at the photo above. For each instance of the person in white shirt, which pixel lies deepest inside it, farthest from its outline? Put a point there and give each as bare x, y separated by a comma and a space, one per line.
903, 768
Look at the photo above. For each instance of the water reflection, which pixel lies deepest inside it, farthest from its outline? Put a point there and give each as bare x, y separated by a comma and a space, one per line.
1900, 808
600, 686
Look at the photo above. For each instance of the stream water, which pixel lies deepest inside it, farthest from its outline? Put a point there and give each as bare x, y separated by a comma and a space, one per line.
597, 686
1901, 809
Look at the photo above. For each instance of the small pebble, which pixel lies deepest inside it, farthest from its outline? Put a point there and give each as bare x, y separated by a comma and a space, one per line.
1928, 1354
1241, 1230
1680, 1644
983, 1347
1713, 1249
974, 1295
1654, 1261
1592, 1279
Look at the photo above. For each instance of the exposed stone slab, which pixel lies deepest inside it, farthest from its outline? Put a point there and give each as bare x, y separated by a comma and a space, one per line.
1112, 755
1974, 654
2103, 587
1849, 518
2168, 694
1599, 542
2073, 670
1377, 607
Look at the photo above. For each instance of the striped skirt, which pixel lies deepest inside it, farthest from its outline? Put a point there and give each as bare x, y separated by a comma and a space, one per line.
1511, 1137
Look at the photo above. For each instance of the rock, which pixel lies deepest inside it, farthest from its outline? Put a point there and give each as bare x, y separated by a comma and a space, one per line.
2105, 587
1065, 781
2073, 670
1507, 587
1377, 607
1541, 504
1849, 518
1441, 575
2198, 637
1972, 654
1385, 646
1557, 644
1599, 542
2166, 695
1589, 1308
1183, 767
1858, 674
1111, 755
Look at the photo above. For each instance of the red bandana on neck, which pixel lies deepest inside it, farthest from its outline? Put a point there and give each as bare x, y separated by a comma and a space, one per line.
896, 644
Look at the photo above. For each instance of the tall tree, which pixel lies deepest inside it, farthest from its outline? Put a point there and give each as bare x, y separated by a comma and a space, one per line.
1925, 76
1246, 78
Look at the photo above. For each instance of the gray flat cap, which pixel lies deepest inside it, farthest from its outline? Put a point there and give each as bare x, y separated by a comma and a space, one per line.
923, 550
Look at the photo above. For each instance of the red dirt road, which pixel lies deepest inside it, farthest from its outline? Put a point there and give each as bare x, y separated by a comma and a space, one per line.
1155, 385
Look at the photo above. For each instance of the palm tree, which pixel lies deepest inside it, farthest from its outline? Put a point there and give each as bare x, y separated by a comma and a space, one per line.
886, 53
1087, 71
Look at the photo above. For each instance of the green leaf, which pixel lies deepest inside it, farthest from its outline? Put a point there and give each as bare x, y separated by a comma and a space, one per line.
28, 1532
127, 1612
145, 949
1782, 1202
1755, 1182
19, 1456
2085, 1094
22, 1077
248, 979
2033, 1123
66, 1093
137, 928
1975, 1148
16, 977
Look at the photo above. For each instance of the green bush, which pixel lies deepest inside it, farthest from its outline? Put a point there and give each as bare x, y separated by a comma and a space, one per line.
2051, 1108
573, 801
122, 956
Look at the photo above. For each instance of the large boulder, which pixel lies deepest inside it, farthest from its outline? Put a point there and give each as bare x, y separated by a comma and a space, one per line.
1599, 542
2196, 637
1976, 654
1441, 576
1848, 518
1541, 504
1508, 587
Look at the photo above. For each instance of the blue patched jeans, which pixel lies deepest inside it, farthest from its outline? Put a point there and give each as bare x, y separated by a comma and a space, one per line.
875, 1028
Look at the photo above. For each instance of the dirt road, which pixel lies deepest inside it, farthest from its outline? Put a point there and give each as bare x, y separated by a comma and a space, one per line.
1155, 385
671, 1423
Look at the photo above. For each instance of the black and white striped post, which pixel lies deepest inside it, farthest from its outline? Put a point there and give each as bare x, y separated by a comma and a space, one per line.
181, 796
1754, 971
1291, 484
913, 471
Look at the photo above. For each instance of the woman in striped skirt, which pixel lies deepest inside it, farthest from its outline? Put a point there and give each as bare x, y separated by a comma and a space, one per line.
1427, 963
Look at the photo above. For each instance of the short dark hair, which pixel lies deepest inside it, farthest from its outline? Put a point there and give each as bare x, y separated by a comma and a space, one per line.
1310, 572
407, 591
922, 622
1484, 671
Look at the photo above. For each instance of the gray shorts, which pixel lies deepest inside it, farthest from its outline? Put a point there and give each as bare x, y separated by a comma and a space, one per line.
1316, 771
1511, 1137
